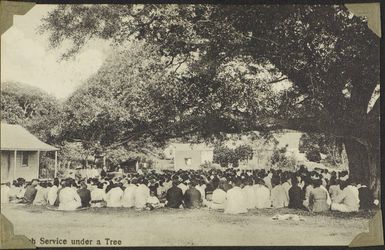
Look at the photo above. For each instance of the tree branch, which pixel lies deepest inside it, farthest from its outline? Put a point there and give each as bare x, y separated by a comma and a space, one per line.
278, 80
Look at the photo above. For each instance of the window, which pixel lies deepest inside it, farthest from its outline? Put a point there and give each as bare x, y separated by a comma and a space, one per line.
24, 159
187, 161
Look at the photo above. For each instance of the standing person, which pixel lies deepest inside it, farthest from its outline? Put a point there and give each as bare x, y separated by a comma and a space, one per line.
296, 195
30, 192
114, 196
52, 192
68, 197
141, 195
318, 198
192, 197
235, 199
128, 199
174, 196
84, 194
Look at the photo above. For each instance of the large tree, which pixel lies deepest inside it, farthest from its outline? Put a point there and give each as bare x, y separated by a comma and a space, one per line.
329, 56
32, 108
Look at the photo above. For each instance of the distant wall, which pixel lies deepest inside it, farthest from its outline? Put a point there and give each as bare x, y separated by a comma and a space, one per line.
191, 159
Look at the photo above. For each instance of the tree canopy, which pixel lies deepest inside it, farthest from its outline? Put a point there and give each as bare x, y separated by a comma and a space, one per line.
30, 107
310, 45
229, 62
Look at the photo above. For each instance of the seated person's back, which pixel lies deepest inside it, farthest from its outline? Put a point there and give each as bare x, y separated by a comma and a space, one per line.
192, 197
174, 196
85, 194
30, 192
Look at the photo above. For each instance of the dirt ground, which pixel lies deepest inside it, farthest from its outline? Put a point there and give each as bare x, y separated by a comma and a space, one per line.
183, 227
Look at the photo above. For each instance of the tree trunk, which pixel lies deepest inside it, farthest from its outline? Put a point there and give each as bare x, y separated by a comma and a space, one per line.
364, 165
374, 164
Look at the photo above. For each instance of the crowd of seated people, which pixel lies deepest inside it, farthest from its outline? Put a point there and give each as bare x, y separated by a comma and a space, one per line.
230, 190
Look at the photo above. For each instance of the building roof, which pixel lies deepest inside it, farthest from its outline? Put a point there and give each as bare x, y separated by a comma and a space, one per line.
15, 137
188, 146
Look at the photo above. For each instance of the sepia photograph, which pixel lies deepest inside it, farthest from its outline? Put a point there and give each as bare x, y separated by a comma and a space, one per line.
190, 125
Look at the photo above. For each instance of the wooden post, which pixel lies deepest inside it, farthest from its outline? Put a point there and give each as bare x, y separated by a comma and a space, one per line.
38, 164
104, 161
14, 165
55, 175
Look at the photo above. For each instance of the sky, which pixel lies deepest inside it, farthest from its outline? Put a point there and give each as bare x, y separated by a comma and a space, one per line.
26, 57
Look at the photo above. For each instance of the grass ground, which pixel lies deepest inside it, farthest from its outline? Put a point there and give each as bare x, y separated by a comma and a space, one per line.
183, 227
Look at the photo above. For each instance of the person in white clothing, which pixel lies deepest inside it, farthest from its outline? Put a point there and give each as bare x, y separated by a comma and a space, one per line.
235, 199
141, 195
114, 196
267, 180
153, 202
218, 198
128, 199
5, 193
348, 200
52, 192
69, 199
183, 186
41, 194
98, 196
249, 194
262, 195
201, 188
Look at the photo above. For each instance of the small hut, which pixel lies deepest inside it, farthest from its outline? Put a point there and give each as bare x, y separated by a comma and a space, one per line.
20, 153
